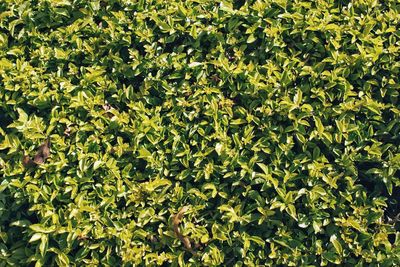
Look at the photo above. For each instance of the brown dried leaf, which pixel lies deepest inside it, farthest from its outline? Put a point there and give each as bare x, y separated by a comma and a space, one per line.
176, 220
43, 152
27, 162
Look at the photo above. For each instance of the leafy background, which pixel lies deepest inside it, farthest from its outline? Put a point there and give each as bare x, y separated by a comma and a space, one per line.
276, 122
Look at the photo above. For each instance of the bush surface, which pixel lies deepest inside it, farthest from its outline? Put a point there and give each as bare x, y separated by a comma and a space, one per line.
271, 126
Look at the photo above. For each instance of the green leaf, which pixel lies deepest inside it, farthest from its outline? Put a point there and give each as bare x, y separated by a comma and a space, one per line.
144, 153
251, 39
319, 125
41, 229
336, 244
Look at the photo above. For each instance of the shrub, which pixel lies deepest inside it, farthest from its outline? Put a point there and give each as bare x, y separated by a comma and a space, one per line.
199, 133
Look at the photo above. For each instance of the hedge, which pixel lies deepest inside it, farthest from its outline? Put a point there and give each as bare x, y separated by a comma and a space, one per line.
199, 133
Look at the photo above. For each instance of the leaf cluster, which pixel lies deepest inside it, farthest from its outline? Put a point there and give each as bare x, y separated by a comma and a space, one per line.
199, 133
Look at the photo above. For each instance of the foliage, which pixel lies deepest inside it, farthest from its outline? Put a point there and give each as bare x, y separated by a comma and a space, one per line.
271, 126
